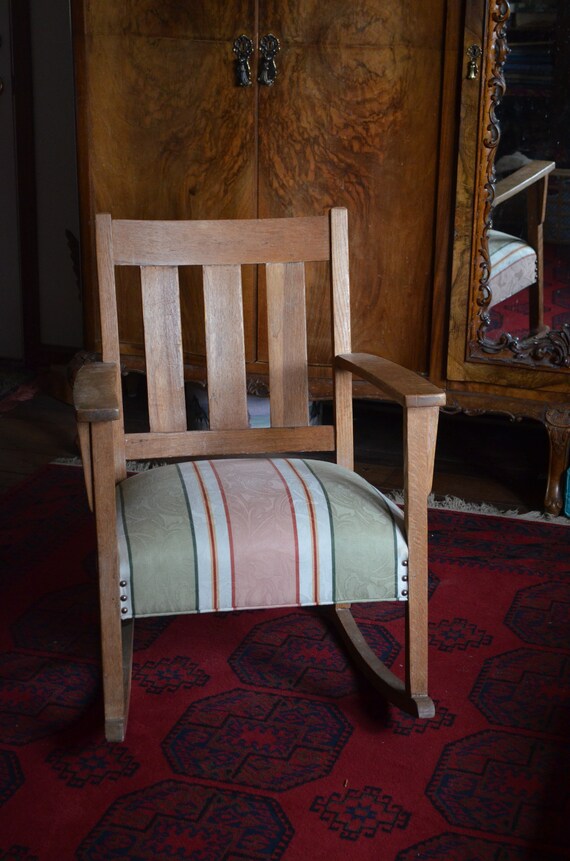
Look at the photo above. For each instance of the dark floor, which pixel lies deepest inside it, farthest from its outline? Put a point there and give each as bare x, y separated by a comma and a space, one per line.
479, 459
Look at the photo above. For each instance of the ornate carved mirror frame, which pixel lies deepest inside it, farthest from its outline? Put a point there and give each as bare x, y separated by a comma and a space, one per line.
548, 351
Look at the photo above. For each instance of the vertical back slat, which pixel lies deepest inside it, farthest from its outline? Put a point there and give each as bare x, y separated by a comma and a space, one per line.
341, 336
163, 347
225, 348
340, 281
287, 345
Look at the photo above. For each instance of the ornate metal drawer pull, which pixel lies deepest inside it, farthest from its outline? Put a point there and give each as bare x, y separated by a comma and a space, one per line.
268, 48
473, 52
243, 49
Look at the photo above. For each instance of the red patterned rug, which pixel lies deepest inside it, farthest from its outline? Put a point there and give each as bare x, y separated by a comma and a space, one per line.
250, 737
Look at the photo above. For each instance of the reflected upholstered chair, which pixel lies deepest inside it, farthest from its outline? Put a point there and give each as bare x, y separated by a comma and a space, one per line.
247, 517
517, 264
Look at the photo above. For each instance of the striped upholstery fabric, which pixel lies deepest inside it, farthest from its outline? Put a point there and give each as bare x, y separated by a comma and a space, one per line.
245, 533
513, 266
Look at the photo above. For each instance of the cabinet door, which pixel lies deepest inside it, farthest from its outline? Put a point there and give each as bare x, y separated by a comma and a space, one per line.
353, 120
164, 131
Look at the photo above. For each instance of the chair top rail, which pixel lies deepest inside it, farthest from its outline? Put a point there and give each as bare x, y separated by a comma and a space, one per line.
199, 243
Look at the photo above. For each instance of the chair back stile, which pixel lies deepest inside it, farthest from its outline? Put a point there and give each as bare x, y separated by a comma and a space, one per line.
341, 336
110, 348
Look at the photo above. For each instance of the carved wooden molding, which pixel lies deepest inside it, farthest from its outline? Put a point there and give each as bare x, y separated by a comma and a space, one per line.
550, 350
497, 50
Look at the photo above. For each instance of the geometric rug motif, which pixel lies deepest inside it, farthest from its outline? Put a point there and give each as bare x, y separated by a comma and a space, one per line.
40, 696
457, 634
180, 820
92, 764
169, 675
403, 724
491, 549
540, 614
360, 813
299, 653
77, 791
460, 847
522, 689
11, 776
496, 782
259, 740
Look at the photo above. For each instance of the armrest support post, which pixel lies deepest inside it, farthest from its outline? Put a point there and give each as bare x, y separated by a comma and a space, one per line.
96, 402
421, 401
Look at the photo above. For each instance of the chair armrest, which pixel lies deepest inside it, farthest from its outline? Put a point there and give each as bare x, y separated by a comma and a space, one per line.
516, 182
397, 383
94, 393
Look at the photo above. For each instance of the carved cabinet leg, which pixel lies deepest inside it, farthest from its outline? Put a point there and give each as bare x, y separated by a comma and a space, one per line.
558, 427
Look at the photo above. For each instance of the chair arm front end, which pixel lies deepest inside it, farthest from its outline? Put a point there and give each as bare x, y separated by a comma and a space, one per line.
94, 393
397, 383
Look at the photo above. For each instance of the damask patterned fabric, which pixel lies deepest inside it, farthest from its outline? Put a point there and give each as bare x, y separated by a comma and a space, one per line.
246, 533
513, 265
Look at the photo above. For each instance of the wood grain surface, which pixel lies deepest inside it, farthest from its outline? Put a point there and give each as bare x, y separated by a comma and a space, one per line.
352, 120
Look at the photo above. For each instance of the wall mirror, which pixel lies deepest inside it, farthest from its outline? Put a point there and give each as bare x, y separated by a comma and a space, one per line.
520, 270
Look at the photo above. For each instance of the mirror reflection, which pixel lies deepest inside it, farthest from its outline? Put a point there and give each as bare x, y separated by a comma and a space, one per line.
529, 239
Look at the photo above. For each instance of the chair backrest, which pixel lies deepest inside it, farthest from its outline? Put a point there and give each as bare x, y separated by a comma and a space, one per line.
283, 246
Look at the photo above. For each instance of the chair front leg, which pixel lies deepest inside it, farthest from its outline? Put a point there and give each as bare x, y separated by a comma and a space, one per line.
420, 424
115, 663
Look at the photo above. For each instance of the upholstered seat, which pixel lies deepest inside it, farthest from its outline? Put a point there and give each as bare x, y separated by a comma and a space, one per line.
247, 533
513, 266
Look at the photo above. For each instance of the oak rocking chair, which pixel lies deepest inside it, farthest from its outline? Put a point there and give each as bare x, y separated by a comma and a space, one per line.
227, 523
515, 263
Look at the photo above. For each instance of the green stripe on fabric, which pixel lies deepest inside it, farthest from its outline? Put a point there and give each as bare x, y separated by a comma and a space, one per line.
193, 533
129, 550
365, 535
161, 542
331, 521
390, 514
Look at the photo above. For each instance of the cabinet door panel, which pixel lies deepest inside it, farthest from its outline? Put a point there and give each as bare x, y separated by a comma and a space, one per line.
353, 119
213, 20
169, 136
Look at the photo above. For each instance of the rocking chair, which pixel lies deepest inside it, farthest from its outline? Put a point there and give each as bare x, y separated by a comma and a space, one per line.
230, 522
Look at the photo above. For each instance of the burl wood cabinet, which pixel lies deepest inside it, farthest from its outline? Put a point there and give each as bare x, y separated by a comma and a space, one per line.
387, 107
353, 118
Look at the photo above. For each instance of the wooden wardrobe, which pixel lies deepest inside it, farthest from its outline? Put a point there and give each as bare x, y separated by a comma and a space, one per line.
353, 118
383, 106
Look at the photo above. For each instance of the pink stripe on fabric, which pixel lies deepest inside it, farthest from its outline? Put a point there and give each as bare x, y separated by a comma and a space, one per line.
230, 536
262, 531
295, 531
211, 534
315, 548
